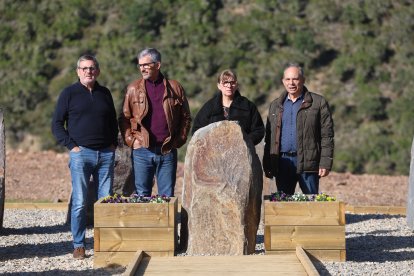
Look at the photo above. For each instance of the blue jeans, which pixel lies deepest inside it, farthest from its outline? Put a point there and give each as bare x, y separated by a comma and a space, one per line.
287, 177
83, 165
149, 162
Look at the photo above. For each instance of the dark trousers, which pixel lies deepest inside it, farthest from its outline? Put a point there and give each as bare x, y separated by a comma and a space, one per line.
287, 177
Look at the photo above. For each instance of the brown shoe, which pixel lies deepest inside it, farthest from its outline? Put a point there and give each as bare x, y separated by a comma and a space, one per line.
79, 253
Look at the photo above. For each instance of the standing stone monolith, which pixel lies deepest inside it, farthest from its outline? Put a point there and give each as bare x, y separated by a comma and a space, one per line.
123, 171
2, 167
222, 191
410, 199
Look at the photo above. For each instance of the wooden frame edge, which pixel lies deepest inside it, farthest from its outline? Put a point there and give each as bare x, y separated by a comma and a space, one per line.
61, 206
267, 238
96, 239
385, 210
134, 264
306, 262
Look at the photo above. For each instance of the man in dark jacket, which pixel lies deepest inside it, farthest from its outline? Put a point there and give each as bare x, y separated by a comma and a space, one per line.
85, 123
299, 140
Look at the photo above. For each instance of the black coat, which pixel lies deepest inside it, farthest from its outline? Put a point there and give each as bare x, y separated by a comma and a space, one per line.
241, 110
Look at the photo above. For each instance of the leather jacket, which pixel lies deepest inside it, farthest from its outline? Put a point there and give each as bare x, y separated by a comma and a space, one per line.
135, 108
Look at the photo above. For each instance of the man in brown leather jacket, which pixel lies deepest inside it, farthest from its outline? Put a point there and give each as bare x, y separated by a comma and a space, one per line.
299, 141
155, 121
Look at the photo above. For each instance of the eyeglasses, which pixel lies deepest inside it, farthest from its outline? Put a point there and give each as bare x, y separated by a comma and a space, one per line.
229, 83
86, 69
145, 65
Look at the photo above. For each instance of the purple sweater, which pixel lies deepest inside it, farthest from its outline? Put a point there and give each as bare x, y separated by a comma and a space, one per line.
155, 121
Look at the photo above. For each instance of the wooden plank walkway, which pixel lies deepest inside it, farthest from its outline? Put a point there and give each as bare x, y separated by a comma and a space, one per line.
283, 264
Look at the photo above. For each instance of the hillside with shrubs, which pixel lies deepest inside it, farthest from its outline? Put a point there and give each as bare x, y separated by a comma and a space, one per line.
358, 54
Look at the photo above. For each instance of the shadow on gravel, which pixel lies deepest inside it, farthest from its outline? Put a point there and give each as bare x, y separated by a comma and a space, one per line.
355, 218
35, 230
371, 248
377, 245
320, 267
260, 240
21, 251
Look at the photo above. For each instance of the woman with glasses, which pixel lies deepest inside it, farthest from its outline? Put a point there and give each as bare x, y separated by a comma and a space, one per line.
229, 104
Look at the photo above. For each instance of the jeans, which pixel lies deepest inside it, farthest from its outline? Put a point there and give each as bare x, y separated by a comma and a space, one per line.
149, 162
287, 177
84, 164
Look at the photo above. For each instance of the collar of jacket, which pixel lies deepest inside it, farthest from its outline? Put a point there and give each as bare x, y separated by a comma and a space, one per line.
307, 98
167, 92
96, 85
158, 80
237, 101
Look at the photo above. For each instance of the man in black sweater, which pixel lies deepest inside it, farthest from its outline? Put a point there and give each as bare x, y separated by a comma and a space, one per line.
85, 123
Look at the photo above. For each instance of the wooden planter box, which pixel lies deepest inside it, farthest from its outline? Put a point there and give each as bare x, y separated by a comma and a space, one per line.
318, 227
120, 229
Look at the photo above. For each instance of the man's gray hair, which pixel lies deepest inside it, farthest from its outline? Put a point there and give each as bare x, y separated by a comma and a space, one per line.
155, 55
296, 65
88, 57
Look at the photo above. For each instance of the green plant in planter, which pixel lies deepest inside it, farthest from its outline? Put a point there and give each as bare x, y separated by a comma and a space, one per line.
281, 196
135, 198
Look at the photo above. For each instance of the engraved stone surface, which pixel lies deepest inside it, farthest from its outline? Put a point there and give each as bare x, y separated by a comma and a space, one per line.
123, 171
2, 168
222, 192
410, 199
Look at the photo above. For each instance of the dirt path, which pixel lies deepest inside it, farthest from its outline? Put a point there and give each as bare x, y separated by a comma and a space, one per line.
44, 176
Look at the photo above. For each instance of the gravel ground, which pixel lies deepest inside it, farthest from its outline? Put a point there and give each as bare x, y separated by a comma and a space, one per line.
375, 245
38, 241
